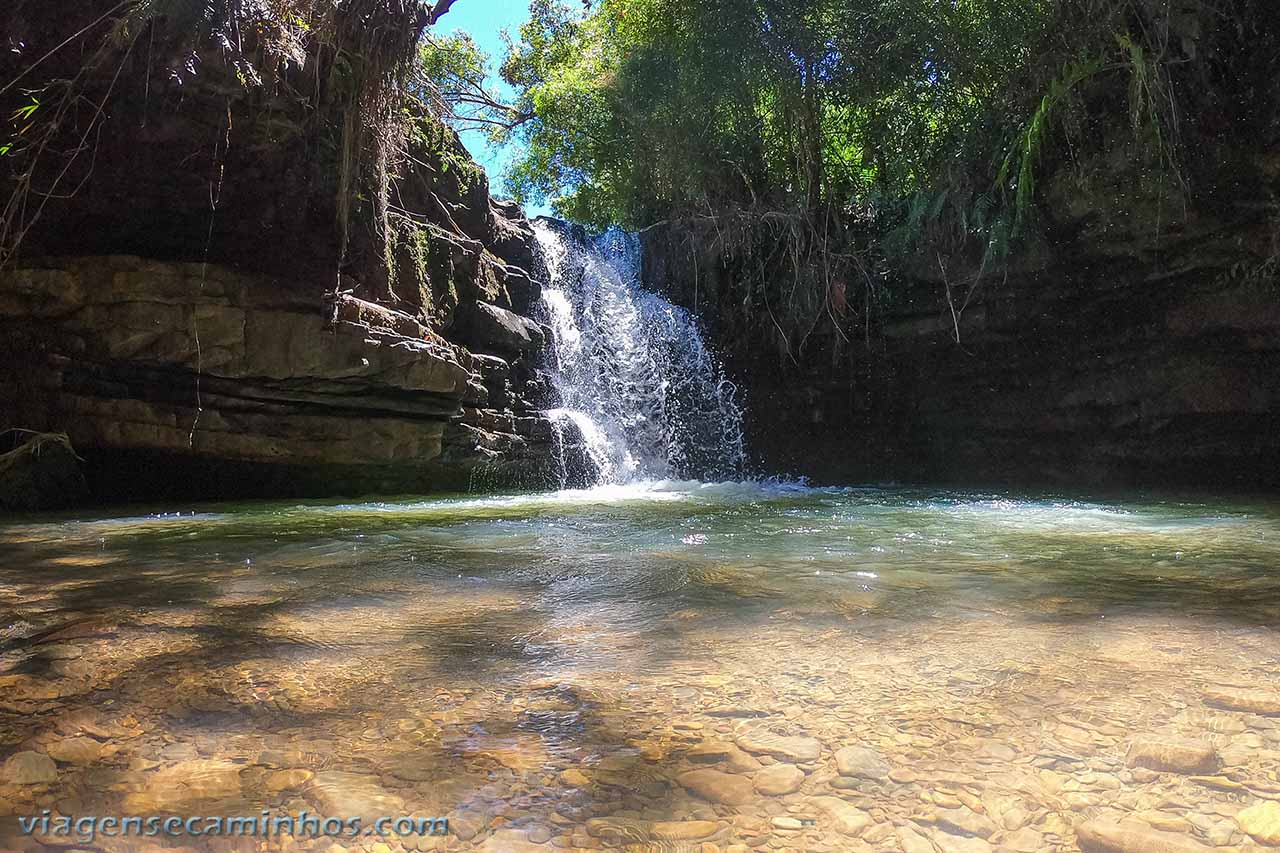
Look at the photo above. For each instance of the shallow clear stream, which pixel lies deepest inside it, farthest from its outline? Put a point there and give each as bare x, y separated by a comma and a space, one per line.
546, 670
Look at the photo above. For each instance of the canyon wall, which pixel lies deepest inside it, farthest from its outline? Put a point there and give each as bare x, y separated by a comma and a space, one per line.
191, 310
1138, 346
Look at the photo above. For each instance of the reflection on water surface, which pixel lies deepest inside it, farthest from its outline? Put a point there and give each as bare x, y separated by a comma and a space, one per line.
666, 666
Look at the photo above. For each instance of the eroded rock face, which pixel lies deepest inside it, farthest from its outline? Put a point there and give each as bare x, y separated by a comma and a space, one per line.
248, 387
1095, 363
333, 361
490, 328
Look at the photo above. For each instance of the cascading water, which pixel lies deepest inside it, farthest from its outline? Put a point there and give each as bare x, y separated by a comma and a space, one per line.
633, 371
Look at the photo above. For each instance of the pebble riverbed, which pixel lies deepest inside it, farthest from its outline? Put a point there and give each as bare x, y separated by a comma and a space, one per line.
782, 670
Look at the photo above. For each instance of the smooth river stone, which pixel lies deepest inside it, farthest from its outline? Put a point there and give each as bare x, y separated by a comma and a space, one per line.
779, 779
863, 762
345, 795
202, 779
630, 831
30, 768
1261, 822
574, 778
618, 830
913, 842
767, 743
1173, 755
76, 750
722, 752
1102, 836
414, 767
965, 821
288, 780
1025, 840
710, 751
847, 818
1252, 701
961, 843
718, 787
503, 841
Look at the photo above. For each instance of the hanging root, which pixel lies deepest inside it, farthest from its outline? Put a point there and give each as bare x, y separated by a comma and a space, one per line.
358, 59
793, 270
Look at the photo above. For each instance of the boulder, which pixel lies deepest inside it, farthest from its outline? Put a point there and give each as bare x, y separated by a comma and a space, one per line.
487, 327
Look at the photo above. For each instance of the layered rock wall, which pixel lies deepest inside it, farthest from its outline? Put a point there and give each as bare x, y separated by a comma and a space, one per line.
190, 379
215, 303
1117, 356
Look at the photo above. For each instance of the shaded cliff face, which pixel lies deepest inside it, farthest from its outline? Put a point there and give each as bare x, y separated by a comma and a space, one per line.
1124, 351
199, 322
181, 379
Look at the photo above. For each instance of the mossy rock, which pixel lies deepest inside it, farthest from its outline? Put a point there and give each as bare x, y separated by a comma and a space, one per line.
42, 473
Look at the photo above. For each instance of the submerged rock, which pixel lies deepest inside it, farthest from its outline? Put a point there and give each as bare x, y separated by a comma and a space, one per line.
353, 795
779, 779
1173, 755
1250, 701
764, 742
288, 780
965, 821
718, 787
682, 830
847, 818
30, 768
1261, 822
1101, 836
862, 761
574, 778
76, 750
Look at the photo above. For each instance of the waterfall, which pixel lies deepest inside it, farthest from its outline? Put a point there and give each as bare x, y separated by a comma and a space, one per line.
634, 374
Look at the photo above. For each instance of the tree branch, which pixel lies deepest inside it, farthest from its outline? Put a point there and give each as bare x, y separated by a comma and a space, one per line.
439, 10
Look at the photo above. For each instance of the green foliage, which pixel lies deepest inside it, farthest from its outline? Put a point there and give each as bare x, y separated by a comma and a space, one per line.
916, 115
1018, 168
648, 108
815, 145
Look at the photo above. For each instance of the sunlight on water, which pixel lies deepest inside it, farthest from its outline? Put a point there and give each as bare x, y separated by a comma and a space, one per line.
507, 659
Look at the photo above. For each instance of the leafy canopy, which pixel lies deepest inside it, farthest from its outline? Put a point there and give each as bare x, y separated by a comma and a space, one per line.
647, 108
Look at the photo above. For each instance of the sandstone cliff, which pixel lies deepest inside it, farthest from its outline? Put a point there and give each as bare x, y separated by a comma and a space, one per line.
202, 316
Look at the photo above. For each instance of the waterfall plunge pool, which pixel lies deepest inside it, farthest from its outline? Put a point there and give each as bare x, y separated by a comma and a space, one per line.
746, 664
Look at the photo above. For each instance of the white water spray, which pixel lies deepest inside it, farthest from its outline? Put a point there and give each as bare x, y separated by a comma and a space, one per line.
633, 371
